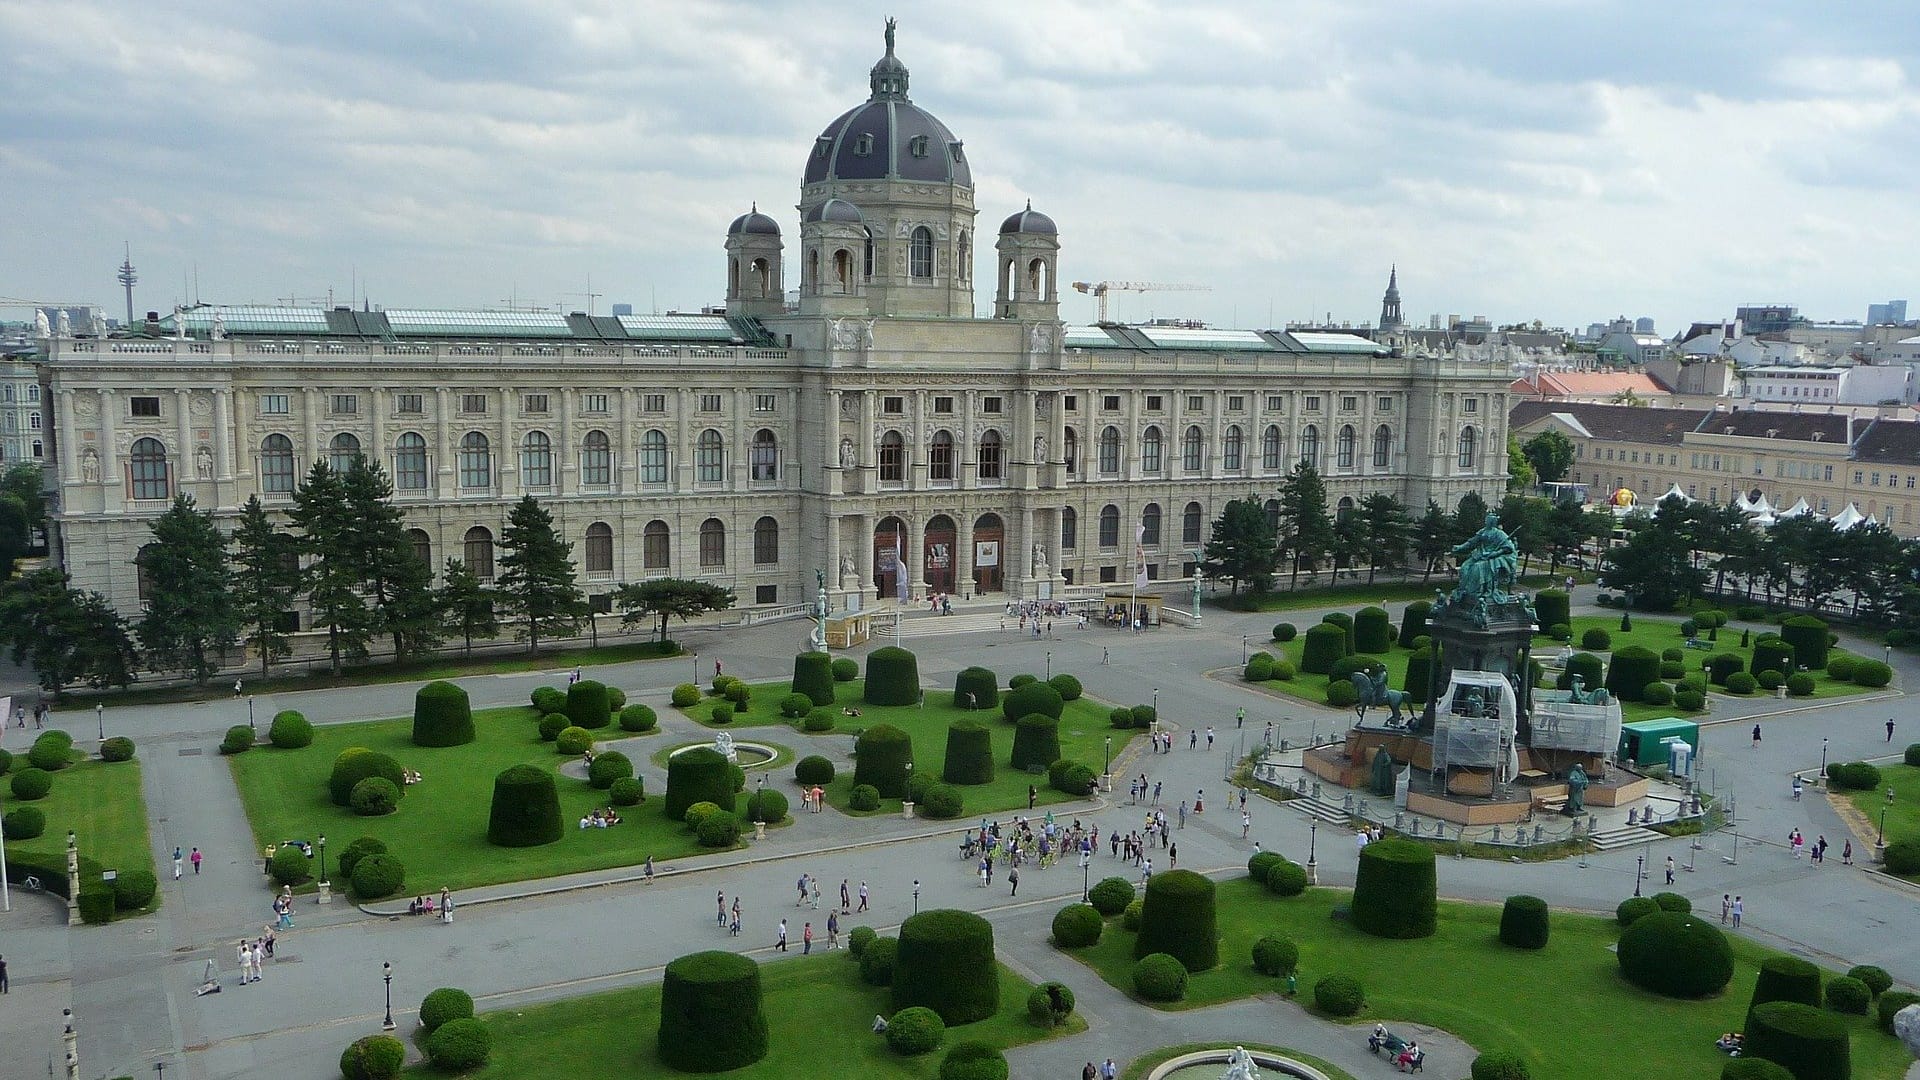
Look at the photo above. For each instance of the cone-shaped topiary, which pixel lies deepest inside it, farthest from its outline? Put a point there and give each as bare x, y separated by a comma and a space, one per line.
1810, 1044
1034, 697
1372, 630
1325, 644
1586, 665
880, 756
1419, 670
696, 776
1808, 636
1177, 918
813, 676
526, 808
969, 753
711, 1018
1786, 978
893, 677
1679, 955
945, 962
441, 716
1394, 892
1753, 1068
588, 705
976, 688
1523, 922
1632, 669
1552, 607
1772, 654
1413, 623
1036, 741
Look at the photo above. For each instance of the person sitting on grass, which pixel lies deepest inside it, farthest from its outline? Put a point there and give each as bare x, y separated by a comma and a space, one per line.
849, 711
410, 776
588, 757
609, 816
587, 821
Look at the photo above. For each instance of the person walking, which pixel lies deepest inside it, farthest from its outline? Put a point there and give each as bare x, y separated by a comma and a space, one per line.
648, 869
734, 927
446, 906
813, 897
3, 975
1173, 856
1156, 793
1756, 737
833, 929
1796, 787
1669, 869
1209, 736
720, 900
1090, 1072
1013, 878
1193, 739
863, 896
244, 955
802, 886
1109, 1071
1739, 909
1183, 814
1246, 826
1889, 729
1146, 871
1033, 795
780, 945
806, 939
1846, 853
846, 905
1240, 718
195, 860
1726, 905
176, 864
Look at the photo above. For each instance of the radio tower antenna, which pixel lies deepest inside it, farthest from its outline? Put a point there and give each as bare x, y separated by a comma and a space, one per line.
127, 278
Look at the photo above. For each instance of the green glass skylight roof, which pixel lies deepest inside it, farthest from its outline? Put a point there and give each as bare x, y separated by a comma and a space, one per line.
1176, 337
1088, 337
418, 322
678, 328
1321, 341
252, 319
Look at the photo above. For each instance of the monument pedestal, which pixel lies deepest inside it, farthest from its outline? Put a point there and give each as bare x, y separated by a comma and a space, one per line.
326, 893
906, 809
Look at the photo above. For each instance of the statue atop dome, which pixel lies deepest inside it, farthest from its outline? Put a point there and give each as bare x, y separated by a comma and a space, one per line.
891, 23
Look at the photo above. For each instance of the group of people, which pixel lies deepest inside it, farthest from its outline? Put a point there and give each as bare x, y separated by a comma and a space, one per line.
812, 798
940, 604
808, 887
424, 905
1817, 850
40, 712
253, 956
603, 818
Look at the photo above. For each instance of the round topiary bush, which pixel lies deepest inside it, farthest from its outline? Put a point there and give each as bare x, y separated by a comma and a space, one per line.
711, 1018
1889, 1005
1772, 654
1066, 686
1742, 683
552, 724
969, 753
795, 706
1590, 668
1810, 1044
1753, 1068
1034, 697
1159, 977
526, 808
30, 784
1036, 742
6, 761
1853, 775
1019, 681
813, 676
767, 806
359, 849
1177, 918
914, 1030
1689, 700
444, 1004
1596, 639
573, 741
1872, 674
373, 1057
739, 695
1394, 890
460, 1045
1722, 666
1078, 925
376, 796
1130, 918
696, 776
1342, 694
698, 813
1286, 878
118, 748
864, 797
721, 830
1145, 716
441, 715
1800, 684
627, 791
377, 876
813, 769
1258, 669
616, 699
1840, 667
945, 963
239, 740
845, 669
1523, 922
881, 755
1325, 644
976, 688
134, 889
1786, 978
290, 730
1632, 669
893, 677
1808, 636
685, 696
1285, 631
1275, 955
1260, 862
818, 721
1875, 979
1372, 630
23, 823
876, 961
96, 904
638, 718
1633, 909
1911, 756
942, 802
1848, 995
608, 767
1071, 778
1339, 995
974, 1061
858, 939
356, 764
547, 699
1499, 1065
1050, 1004
1344, 667
1679, 955
1671, 901
1770, 680
1110, 896
1657, 693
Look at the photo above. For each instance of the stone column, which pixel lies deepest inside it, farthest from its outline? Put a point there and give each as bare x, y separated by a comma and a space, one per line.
916, 555
68, 444
566, 447
444, 449
378, 453
624, 463
310, 401
963, 554
223, 437
73, 881
113, 481
506, 460
183, 431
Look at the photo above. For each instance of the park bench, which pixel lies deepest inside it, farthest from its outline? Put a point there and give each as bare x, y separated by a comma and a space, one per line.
1696, 643
1393, 1045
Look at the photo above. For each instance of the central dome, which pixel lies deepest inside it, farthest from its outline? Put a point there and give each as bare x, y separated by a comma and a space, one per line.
888, 137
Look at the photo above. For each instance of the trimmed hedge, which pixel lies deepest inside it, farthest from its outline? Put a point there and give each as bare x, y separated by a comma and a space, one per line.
23, 823
795, 706
552, 724
572, 741
1177, 918
377, 876
1050, 1004
893, 677
1286, 878
1772, 654
1810, 1044
942, 802
1853, 775
859, 938
1672, 901
1786, 978
813, 676
290, 730
1872, 674
6, 761
1326, 643
1345, 622
1590, 668
547, 699
1523, 922
1679, 955
1633, 909
638, 718
696, 776
1848, 995
1875, 979
1657, 693
976, 688
373, 1057
1753, 1068
1159, 977
1036, 742
1144, 716
970, 753
814, 769
96, 904
1419, 670
1339, 995
876, 961
1413, 623
1631, 670
134, 889
767, 806
845, 669
1260, 862
1067, 687
1840, 667
1034, 697
1394, 890
1130, 918
444, 1004
356, 764
616, 699
915, 1030
238, 740
1071, 778
1372, 630
359, 849
711, 1017
1889, 1005
376, 796
627, 791
881, 755
685, 696
1742, 683
1110, 896
1596, 639
1808, 636
864, 797
1275, 955
1689, 700
1342, 694
1259, 668
945, 962
30, 783
526, 808
460, 1045
608, 767
442, 715
1553, 606
721, 830
1911, 757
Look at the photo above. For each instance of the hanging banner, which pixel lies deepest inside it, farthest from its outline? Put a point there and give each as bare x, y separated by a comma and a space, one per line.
986, 553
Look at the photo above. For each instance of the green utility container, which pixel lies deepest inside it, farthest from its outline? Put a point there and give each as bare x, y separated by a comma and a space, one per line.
1645, 742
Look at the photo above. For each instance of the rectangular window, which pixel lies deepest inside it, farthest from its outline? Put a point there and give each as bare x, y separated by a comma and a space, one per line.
145, 406
1275, 403
534, 404
33, 392
943, 406
274, 405
709, 403
1236, 403
1110, 403
989, 404
473, 404
1470, 406
1073, 403
1109, 574
763, 403
1383, 404
1856, 476
1313, 403
1829, 478
33, 421
893, 406
1349, 403
766, 594
408, 404
593, 404
1154, 403
1876, 480
346, 404
1196, 403
653, 403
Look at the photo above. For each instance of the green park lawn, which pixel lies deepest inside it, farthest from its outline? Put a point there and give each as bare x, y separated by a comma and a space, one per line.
819, 1016
440, 831
1564, 1008
1903, 813
100, 802
1083, 734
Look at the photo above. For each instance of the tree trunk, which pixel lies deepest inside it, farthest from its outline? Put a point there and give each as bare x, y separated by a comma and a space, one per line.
333, 645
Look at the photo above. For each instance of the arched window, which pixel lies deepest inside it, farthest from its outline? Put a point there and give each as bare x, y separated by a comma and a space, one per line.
964, 271
1151, 450
1270, 448
920, 253
276, 464
1343, 447
476, 462
341, 452
990, 464
713, 543
843, 270
653, 546
422, 546
1072, 450
653, 457
867, 266
1469, 446
1382, 446
709, 458
759, 277
536, 460
766, 542
599, 548
940, 456
1110, 451
1192, 452
1037, 286
1310, 446
410, 462
1069, 529
1190, 523
596, 460
149, 471
142, 575
764, 457
1150, 525
1231, 449
893, 458
1273, 513
478, 551
1109, 526
1343, 509
813, 269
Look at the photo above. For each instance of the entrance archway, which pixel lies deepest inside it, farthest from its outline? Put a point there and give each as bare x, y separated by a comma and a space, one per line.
989, 553
939, 554
888, 573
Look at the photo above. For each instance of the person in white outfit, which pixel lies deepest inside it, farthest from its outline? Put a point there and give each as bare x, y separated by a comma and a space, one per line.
246, 963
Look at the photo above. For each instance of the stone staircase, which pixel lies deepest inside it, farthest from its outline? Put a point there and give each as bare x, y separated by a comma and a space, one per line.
1624, 836
925, 626
1327, 813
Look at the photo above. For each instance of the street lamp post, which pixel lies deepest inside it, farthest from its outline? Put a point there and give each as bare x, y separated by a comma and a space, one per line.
1881, 843
1822, 778
100, 719
1243, 648
325, 894
1086, 875
759, 811
695, 657
1313, 845
250, 723
1106, 771
1639, 871
1049, 665
386, 972
916, 896
73, 1045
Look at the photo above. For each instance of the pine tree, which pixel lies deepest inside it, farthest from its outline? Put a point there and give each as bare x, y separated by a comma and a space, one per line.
266, 573
1386, 531
64, 634
331, 579
393, 578
1469, 516
537, 575
466, 604
1241, 547
1305, 532
1432, 536
190, 612
668, 597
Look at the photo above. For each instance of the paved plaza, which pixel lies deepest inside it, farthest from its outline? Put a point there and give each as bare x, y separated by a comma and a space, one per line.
131, 983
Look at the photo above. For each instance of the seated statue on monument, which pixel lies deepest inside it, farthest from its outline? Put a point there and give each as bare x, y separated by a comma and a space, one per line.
1489, 570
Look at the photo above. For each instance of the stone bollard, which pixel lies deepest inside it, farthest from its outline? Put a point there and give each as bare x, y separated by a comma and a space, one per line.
1496, 834
906, 809
326, 893
1539, 831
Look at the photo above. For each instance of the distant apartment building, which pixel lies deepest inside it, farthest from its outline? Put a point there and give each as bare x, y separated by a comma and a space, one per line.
1860, 384
1893, 311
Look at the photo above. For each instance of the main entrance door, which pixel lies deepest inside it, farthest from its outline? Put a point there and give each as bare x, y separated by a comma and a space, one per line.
989, 554
889, 552
939, 554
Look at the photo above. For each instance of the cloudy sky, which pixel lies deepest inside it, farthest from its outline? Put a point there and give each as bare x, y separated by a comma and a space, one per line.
1550, 159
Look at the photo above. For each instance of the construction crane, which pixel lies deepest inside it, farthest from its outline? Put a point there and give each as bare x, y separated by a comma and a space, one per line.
1099, 289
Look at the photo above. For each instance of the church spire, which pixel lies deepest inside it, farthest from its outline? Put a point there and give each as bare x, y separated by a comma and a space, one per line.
1390, 318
